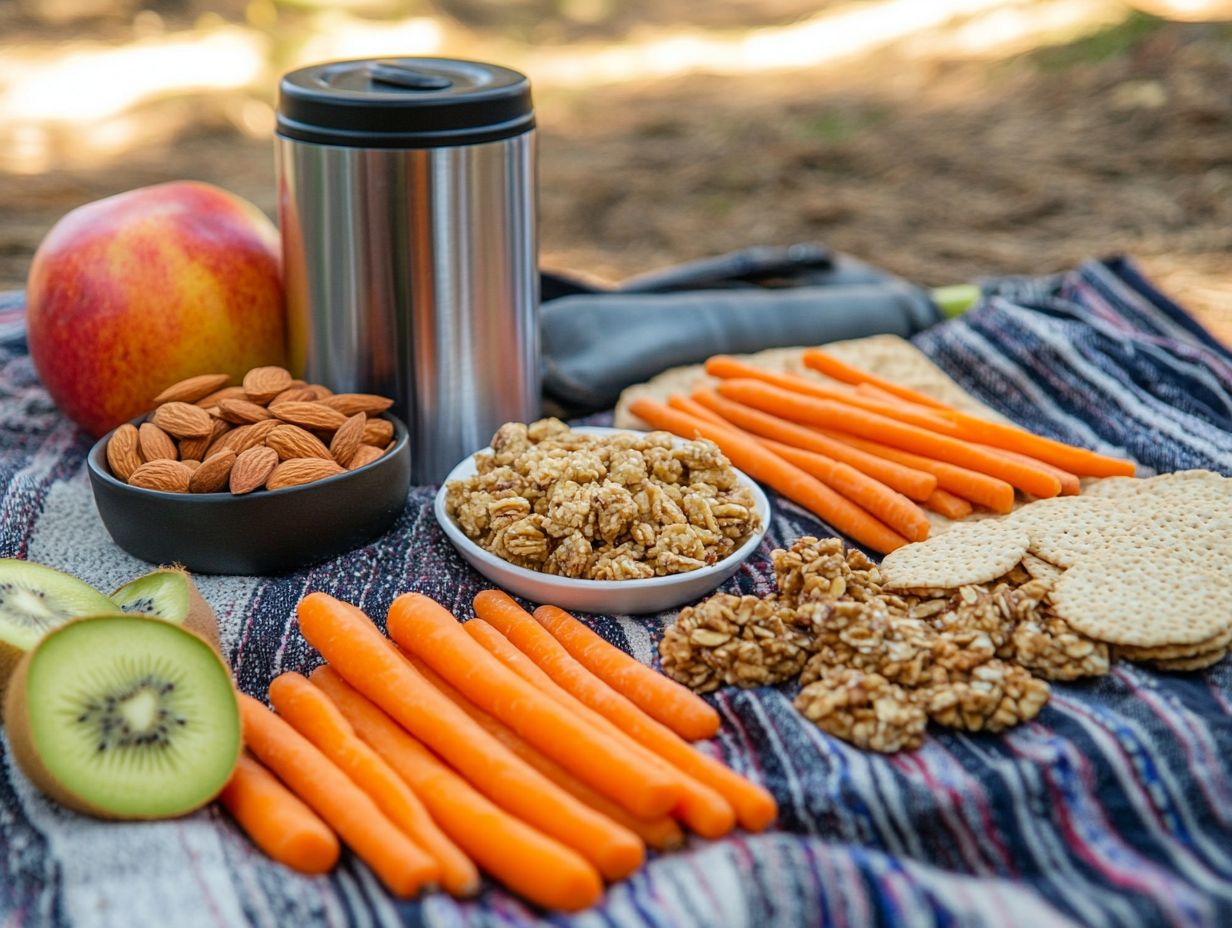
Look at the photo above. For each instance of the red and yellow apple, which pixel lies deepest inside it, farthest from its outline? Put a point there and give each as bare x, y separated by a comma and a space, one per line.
130, 294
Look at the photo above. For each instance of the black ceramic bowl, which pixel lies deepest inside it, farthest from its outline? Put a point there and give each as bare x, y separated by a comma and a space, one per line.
265, 532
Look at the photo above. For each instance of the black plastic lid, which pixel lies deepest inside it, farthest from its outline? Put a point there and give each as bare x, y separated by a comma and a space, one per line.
404, 103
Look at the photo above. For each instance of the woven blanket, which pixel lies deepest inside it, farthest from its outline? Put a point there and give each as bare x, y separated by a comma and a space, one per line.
1112, 808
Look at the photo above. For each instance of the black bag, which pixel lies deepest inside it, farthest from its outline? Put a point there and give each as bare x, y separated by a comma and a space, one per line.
597, 342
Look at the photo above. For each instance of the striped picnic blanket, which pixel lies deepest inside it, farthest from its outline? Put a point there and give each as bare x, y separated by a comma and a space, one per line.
1113, 807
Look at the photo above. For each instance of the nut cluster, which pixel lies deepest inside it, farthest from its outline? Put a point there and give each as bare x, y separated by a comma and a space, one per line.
602, 507
270, 432
876, 666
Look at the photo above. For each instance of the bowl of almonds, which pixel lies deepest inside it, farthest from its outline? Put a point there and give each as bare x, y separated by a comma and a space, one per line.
260, 477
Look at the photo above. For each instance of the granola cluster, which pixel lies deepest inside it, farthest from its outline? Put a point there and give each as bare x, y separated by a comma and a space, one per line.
602, 507
876, 666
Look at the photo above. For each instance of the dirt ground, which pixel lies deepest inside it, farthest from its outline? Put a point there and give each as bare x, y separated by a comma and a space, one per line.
941, 170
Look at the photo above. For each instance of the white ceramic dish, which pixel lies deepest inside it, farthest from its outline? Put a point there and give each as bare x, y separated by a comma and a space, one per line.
625, 597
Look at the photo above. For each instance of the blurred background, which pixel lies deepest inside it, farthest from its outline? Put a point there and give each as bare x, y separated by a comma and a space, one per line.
943, 139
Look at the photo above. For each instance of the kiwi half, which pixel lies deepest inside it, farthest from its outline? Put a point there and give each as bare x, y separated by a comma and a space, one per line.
124, 716
169, 593
33, 600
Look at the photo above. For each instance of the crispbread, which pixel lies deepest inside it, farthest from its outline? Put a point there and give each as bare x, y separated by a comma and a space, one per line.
1197, 662
1145, 597
978, 552
1064, 529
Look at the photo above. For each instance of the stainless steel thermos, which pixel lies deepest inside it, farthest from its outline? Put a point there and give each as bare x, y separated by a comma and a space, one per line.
407, 211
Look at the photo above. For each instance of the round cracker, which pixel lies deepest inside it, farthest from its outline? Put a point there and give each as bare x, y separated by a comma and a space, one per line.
975, 552
1041, 569
1177, 651
1065, 529
1146, 597
1193, 663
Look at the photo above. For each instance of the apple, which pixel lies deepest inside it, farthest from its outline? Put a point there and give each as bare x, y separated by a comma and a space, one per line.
130, 294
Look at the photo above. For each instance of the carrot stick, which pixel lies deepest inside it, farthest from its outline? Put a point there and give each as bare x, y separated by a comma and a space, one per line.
1075, 460
894, 509
661, 833
424, 627
989, 492
829, 414
1070, 484
831, 366
948, 505
373, 665
278, 821
400, 864
728, 368
755, 808
699, 806
689, 405
530, 863
659, 696
310, 712
911, 482
769, 468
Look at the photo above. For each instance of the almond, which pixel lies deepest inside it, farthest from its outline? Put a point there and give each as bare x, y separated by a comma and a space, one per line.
183, 420
191, 465
168, 476
213, 473
124, 451
241, 411
197, 449
350, 403
364, 454
348, 438
379, 432
290, 441
156, 445
251, 468
309, 415
251, 435
295, 395
262, 384
191, 390
320, 391
226, 393
298, 471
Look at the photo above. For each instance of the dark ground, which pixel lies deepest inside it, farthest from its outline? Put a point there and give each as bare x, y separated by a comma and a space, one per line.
940, 170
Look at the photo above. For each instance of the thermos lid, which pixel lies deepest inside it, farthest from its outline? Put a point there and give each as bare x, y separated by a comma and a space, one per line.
404, 103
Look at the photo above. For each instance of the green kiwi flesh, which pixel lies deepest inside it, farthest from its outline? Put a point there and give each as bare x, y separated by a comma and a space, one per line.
33, 600
169, 593
124, 716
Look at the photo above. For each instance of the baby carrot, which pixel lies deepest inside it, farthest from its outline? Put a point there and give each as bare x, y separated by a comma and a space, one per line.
311, 713
400, 864
910, 482
699, 806
892, 508
829, 414
530, 863
755, 808
661, 833
659, 696
727, 368
831, 366
277, 820
424, 627
370, 662
770, 469
989, 492
948, 505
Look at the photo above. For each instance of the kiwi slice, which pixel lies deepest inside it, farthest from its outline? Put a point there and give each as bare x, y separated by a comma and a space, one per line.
124, 716
33, 600
169, 593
